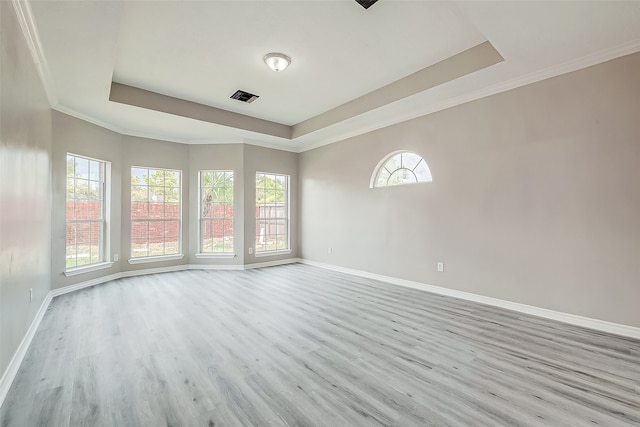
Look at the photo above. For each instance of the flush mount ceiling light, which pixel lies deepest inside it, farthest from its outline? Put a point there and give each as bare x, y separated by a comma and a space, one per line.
277, 61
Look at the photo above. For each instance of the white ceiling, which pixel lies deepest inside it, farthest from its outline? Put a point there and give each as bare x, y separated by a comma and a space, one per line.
203, 51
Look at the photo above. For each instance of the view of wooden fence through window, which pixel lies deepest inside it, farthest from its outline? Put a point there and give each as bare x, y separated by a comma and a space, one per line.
216, 211
272, 212
155, 212
85, 220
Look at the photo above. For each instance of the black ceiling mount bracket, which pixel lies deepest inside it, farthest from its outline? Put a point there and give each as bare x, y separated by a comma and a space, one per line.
366, 3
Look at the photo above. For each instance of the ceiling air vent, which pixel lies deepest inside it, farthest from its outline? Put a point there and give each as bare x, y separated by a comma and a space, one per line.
243, 96
366, 3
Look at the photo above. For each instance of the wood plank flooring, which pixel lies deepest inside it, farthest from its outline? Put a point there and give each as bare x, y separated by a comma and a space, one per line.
297, 345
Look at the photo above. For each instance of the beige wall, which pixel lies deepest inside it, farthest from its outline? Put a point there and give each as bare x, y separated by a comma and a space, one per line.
155, 154
535, 197
217, 157
71, 135
25, 187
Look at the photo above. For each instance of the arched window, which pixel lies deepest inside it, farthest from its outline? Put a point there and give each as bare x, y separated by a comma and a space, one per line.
400, 167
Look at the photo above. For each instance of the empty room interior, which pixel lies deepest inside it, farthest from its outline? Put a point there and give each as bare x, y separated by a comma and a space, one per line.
319, 213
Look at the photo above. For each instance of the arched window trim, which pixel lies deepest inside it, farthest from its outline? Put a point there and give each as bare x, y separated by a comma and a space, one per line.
385, 159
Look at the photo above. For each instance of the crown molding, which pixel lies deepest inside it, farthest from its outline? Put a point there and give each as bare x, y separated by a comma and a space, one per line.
29, 29
90, 119
577, 64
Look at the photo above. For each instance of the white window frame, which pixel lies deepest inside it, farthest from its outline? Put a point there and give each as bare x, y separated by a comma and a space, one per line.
382, 166
104, 186
153, 258
287, 219
201, 220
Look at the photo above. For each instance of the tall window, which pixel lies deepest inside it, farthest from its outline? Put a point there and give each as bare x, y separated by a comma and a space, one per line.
272, 212
155, 212
85, 215
216, 212
401, 167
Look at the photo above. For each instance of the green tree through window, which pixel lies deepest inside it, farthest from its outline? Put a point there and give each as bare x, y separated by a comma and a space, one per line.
216, 211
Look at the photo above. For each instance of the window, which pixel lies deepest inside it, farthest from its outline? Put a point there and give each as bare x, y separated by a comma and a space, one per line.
216, 212
155, 212
400, 167
272, 212
85, 208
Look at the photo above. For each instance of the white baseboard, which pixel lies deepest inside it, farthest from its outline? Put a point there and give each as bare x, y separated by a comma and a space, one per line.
214, 267
272, 263
586, 322
595, 324
132, 273
14, 365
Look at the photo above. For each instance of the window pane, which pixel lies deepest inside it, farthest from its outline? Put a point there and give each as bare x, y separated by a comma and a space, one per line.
422, 172
156, 177
156, 194
139, 239
216, 196
393, 163
161, 189
206, 233
402, 176
172, 178
82, 189
83, 243
410, 160
156, 231
171, 237
71, 245
172, 194
95, 210
84, 211
139, 210
156, 210
139, 176
402, 168
71, 188
139, 193
82, 168
172, 210
383, 177
94, 190
172, 247
271, 212
94, 170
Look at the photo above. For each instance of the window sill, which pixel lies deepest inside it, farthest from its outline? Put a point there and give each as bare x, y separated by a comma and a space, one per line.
143, 260
273, 253
215, 255
87, 268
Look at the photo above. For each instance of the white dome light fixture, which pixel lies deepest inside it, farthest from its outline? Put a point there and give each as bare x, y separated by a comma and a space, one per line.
277, 61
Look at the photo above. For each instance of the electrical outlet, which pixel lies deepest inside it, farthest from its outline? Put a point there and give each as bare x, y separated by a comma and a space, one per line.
116, 257
329, 251
30, 295
441, 267
250, 251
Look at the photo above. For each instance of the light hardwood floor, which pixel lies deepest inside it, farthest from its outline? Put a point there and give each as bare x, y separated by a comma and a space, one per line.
301, 346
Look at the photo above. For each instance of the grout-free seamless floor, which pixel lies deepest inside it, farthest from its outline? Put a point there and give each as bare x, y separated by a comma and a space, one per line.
297, 345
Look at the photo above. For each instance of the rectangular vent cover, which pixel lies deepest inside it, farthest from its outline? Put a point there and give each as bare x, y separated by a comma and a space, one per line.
243, 96
366, 3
